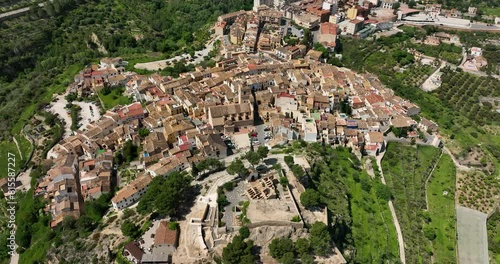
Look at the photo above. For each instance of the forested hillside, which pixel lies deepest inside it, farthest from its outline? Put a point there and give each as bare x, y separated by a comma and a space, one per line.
37, 49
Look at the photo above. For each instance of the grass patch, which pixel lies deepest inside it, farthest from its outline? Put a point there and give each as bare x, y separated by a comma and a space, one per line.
373, 231
405, 170
7, 147
441, 198
491, 11
114, 98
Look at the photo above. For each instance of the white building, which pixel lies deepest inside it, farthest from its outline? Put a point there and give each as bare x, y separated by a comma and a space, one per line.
331, 5
286, 102
475, 51
310, 130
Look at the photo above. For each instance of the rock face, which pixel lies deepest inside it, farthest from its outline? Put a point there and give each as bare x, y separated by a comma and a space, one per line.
262, 236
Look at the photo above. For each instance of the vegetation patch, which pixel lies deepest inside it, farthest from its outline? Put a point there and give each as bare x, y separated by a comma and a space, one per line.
357, 205
441, 210
112, 97
477, 191
406, 170
493, 226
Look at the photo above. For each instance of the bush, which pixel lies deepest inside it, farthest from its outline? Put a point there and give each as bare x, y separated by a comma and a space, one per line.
244, 232
310, 198
430, 233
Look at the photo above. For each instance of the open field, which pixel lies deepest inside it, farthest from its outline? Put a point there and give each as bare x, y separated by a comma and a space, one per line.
406, 169
441, 203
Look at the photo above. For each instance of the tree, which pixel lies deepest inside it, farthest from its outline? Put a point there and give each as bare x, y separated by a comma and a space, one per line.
320, 239
244, 232
430, 233
165, 195
263, 151
310, 198
237, 167
280, 246
412, 4
383, 192
289, 160
143, 132
253, 157
396, 6
130, 229
284, 181
238, 252
129, 151
307, 259
288, 258
173, 225
302, 246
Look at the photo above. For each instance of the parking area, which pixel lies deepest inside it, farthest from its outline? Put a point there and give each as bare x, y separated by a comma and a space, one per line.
146, 241
263, 134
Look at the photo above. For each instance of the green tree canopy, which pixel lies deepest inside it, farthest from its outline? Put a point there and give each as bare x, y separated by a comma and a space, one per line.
310, 198
130, 229
238, 252
263, 151
237, 168
320, 239
280, 246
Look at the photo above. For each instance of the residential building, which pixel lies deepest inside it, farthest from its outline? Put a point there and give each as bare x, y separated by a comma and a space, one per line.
131, 193
388, 4
309, 129
286, 103
211, 146
330, 5
475, 51
352, 13
327, 35
132, 252
230, 117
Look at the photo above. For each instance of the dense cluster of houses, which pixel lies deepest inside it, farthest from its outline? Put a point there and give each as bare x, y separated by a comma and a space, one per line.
211, 112
241, 34
195, 116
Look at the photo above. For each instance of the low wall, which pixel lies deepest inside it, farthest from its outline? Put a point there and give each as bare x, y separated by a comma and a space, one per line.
275, 223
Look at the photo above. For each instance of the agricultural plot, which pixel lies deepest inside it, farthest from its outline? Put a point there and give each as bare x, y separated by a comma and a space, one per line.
462, 92
441, 209
406, 170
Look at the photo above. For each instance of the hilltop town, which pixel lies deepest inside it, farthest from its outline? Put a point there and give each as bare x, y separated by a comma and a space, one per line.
272, 86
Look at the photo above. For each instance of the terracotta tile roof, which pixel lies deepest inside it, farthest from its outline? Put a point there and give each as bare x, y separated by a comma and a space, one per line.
165, 236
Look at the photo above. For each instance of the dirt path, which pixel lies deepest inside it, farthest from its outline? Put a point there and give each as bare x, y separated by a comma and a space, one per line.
18, 148
393, 213
457, 164
427, 180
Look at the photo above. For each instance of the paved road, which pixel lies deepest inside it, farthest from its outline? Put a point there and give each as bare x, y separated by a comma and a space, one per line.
393, 213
